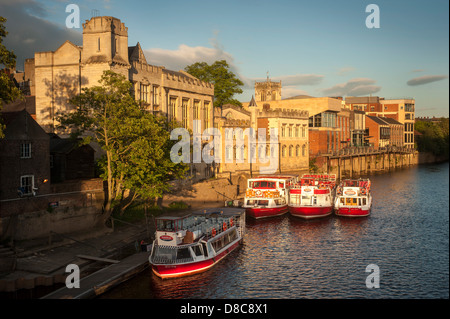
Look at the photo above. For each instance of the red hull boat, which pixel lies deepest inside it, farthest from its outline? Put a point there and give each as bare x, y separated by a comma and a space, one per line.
311, 212
194, 243
353, 198
313, 196
266, 212
267, 196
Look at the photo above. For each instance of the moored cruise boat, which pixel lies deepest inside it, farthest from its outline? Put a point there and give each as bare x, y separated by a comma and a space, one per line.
353, 198
267, 196
186, 245
313, 196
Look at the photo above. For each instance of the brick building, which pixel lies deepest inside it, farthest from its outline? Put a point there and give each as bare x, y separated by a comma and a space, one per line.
401, 110
24, 157
69, 161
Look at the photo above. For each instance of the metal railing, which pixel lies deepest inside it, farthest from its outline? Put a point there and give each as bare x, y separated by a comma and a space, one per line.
366, 150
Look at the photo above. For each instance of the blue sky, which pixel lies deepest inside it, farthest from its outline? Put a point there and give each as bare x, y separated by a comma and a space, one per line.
317, 48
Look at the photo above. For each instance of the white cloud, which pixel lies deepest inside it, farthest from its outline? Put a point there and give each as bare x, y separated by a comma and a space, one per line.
185, 55
29, 32
345, 70
353, 87
290, 91
426, 79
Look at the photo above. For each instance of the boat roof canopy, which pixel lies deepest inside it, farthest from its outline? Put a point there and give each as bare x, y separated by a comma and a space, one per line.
209, 212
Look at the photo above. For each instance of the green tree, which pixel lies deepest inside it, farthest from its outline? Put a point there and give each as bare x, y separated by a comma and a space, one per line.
226, 84
8, 91
434, 138
136, 143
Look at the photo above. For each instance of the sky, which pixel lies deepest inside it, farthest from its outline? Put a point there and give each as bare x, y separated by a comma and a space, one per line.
317, 48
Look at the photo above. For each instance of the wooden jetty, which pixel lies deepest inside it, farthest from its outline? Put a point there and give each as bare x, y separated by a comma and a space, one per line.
99, 282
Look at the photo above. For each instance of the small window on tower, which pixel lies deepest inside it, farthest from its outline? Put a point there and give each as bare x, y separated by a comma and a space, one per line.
98, 43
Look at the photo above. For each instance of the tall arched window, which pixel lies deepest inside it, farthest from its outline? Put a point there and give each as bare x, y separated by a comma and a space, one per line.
304, 150
283, 151
297, 150
291, 148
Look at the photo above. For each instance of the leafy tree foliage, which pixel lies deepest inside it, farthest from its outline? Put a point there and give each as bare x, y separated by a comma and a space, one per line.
226, 84
136, 143
8, 91
434, 138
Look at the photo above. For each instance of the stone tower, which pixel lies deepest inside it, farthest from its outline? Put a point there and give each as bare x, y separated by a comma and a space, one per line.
267, 91
105, 47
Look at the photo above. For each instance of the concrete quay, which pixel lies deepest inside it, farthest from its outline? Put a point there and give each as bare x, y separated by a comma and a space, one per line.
36, 263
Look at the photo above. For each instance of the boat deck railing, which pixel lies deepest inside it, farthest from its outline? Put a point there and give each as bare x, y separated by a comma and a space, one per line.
164, 260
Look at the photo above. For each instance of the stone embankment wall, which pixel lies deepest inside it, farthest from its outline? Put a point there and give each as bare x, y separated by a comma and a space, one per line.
69, 208
209, 193
366, 164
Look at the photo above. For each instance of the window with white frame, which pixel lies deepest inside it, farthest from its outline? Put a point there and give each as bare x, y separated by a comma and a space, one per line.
27, 184
25, 150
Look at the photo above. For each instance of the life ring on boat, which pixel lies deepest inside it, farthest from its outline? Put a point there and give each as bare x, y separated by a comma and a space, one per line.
231, 223
213, 232
363, 191
224, 226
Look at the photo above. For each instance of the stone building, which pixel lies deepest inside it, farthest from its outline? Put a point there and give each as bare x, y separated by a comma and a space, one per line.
56, 76
267, 91
323, 130
288, 152
61, 74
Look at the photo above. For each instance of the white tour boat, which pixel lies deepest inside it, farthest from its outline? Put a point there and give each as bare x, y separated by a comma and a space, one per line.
267, 196
186, 245
353, 198
313, 196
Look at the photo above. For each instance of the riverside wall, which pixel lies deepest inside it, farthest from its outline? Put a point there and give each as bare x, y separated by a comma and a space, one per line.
70, 207
348, 166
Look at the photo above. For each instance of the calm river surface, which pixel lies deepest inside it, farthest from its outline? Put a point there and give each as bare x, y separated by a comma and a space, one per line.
406, 236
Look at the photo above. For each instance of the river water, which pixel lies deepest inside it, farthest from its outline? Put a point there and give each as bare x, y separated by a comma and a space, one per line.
406, 237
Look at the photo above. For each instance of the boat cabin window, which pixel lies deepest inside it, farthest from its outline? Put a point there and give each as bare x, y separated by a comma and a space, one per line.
309, 200
263, 184
280, 201
205, 250
183, 253
351, 201
197, 250
165, 225
364, 201
222, 241
263, 203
